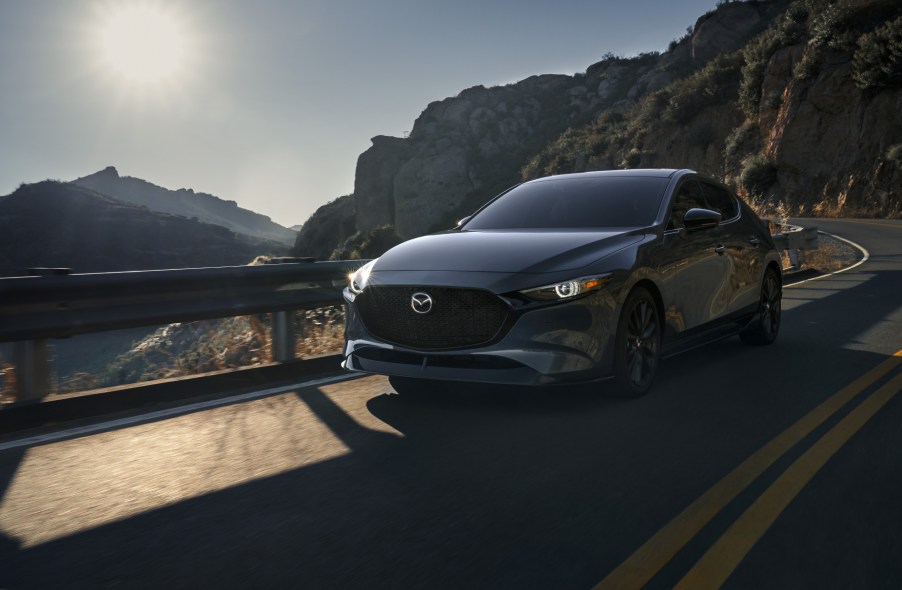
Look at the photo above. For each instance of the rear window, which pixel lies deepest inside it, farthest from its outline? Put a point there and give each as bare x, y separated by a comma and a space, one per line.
575, 203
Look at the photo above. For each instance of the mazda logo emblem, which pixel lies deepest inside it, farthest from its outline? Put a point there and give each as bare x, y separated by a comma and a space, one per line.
421, 302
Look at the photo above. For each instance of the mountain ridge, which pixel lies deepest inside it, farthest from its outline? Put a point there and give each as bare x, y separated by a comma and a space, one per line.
58, 224
185, 202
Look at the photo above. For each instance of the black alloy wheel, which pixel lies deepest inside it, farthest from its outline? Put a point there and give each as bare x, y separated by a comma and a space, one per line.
638, 343
765, 327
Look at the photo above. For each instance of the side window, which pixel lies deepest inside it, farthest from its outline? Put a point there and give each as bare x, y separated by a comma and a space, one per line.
688, 196
721, 200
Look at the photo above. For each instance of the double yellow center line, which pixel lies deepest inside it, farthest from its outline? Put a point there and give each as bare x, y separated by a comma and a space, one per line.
716, 565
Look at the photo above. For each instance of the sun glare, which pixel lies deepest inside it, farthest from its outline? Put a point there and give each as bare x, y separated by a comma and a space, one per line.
143, 44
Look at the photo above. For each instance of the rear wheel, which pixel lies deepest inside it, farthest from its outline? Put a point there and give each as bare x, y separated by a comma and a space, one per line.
638, 343
764, 328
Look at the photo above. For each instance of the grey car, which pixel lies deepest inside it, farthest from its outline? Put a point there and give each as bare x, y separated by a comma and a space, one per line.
569, 278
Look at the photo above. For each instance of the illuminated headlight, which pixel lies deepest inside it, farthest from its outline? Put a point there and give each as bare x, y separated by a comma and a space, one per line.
566, 289
358, 279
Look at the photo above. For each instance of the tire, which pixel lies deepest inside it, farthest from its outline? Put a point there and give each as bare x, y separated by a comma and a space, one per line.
637, 345
764, 328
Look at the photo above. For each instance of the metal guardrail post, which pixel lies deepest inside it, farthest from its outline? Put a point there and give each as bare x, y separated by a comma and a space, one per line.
283, 338
33, 369
32, 360
797, 238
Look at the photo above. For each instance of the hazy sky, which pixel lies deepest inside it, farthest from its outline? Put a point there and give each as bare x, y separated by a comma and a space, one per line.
269, 102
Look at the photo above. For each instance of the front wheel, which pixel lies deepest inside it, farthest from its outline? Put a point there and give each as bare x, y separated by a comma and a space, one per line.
764, 328
637, 347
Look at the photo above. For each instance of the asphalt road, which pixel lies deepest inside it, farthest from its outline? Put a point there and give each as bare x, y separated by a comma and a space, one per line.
773, 467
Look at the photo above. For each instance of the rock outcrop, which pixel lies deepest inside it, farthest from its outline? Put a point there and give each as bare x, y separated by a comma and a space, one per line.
724, 30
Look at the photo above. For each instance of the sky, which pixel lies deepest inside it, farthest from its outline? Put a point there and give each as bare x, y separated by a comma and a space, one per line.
270, 102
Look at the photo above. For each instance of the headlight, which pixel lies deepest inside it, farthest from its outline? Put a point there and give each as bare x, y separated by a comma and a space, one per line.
567, 289
358, 279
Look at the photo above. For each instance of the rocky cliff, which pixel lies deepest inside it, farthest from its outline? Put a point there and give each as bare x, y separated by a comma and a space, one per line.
461, 152
804, 113
791, 101
186, 203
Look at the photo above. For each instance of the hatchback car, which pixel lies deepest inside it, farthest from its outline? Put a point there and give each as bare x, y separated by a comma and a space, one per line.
569, 278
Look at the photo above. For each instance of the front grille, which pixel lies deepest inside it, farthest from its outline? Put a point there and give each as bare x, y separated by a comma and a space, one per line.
459, 317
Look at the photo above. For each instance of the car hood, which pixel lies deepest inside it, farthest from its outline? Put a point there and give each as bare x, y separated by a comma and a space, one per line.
505, 251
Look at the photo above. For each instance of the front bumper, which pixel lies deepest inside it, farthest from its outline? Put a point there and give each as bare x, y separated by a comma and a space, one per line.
557, 343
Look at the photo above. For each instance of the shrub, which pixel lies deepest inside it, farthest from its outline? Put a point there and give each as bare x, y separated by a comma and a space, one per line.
378, 240
810, 64
894, 154
745, 139
610, 117
631, 159
710, 85
758, 175
878, 60
367, 244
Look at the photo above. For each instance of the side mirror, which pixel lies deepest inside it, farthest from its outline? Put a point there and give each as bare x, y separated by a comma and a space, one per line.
695, 219
463, 221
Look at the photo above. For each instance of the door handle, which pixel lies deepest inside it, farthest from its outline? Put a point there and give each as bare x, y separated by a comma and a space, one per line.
720, 249
754, 241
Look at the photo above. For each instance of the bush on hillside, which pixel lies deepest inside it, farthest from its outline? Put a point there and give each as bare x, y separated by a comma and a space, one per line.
713, 84
758, 175
367, 244
894, 154
878, 60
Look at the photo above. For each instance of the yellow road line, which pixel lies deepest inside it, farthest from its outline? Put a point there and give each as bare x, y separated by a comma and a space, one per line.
641, 566
716, 565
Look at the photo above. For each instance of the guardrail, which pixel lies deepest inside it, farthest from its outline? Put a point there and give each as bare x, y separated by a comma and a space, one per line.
34, 309
795, 239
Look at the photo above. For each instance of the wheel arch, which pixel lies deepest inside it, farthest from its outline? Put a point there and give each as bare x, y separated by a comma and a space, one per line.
776, 267
652, 288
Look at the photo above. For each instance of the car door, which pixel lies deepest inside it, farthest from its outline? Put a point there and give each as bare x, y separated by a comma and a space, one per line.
697, 267
740, 248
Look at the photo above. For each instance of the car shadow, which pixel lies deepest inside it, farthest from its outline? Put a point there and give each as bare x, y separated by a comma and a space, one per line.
9, 546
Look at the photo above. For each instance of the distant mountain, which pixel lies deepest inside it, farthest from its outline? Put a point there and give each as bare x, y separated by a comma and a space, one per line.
186, 203
56, 224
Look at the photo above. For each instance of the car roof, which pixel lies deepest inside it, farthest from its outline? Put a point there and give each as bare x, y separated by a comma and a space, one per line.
634, 172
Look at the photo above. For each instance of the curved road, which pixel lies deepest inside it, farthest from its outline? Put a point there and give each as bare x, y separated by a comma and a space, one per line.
774, 467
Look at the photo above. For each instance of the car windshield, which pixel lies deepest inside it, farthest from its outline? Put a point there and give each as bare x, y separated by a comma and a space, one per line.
559, 203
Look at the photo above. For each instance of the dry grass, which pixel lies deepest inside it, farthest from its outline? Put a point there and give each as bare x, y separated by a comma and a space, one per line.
7, 382
320, 331
831, 255
193, 348
773, 212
